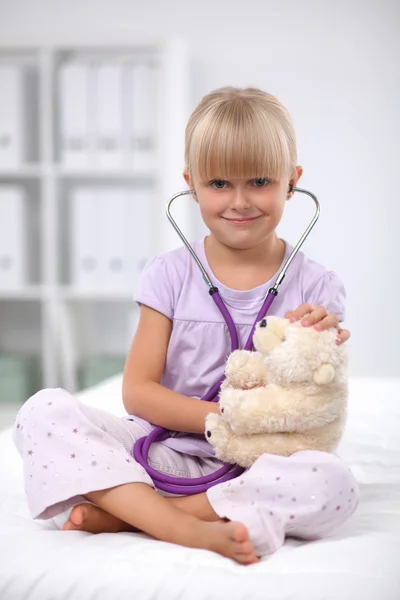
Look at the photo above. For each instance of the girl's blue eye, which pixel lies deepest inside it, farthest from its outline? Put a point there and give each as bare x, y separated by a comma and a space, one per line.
260, 182
218, 184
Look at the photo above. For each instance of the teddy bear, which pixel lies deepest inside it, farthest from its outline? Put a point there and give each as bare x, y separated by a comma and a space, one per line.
290, 394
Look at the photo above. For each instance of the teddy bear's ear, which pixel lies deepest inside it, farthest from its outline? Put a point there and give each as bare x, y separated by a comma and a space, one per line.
324, 374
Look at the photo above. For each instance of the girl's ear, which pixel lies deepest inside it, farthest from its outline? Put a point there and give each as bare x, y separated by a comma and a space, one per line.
297, 173
190, 183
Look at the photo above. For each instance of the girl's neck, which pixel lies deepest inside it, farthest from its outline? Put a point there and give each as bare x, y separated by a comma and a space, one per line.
244, 269
263, 254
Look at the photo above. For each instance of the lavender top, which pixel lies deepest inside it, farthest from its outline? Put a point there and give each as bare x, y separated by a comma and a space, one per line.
172, 284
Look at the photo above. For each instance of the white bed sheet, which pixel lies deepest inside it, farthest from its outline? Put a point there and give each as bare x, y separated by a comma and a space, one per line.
360, 561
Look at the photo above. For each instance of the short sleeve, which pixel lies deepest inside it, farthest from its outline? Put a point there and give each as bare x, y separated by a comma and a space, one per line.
329, 292
156, 287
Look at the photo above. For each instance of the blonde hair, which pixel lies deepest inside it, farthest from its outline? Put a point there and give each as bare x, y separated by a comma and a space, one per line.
240, 132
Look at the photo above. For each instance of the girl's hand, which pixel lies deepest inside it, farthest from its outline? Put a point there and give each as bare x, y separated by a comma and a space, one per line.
319, 317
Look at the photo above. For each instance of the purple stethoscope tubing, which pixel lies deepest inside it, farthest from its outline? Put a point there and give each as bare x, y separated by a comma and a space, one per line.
188, 486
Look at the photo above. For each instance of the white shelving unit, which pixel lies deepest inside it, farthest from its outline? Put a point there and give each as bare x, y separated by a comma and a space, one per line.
64, 322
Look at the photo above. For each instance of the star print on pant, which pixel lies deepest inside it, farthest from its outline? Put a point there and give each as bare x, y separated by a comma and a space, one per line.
307, 495
66, 454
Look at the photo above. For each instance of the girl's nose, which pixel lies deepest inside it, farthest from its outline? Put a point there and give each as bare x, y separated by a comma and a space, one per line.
240, 200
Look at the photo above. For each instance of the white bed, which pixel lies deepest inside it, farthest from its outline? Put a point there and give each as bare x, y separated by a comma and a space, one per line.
361, 561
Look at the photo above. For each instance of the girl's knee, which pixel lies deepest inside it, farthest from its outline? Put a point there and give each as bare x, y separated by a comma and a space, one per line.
336, 495
334, 481
36, 408
42, 399
340, 476
32, 413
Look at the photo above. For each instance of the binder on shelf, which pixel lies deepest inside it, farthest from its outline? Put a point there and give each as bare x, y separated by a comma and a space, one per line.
115, 237
75, 114
140, 115
111, 236
12, 126
85, 240
31, 115
108, 121
140, 230
13, 251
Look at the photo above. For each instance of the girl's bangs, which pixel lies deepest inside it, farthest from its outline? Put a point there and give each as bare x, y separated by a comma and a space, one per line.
240, 150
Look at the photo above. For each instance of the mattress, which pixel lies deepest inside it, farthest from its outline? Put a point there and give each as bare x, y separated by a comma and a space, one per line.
359, 561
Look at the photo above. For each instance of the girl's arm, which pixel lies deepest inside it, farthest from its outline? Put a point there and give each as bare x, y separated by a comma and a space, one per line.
142, 393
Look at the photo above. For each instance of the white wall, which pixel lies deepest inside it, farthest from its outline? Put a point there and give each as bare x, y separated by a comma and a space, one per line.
335, 64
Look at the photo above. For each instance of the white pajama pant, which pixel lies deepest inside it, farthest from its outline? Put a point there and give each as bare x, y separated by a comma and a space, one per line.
70, 449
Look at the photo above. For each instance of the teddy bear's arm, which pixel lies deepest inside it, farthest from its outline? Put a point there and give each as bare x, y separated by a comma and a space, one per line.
273, 409
245, 369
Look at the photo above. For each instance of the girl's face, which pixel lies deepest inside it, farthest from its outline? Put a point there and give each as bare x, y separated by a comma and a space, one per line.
242, 212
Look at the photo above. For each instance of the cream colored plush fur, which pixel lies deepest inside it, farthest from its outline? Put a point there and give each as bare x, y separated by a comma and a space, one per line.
288, 395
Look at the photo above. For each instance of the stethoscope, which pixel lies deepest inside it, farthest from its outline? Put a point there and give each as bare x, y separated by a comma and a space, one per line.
187, 486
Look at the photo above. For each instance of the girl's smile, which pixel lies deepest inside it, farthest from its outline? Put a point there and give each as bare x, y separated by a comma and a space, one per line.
241, 221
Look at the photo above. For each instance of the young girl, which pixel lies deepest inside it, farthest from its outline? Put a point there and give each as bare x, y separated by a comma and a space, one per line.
240, 162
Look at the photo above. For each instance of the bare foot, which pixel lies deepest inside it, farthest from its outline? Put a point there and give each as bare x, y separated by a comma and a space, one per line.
90, 518
230, 539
